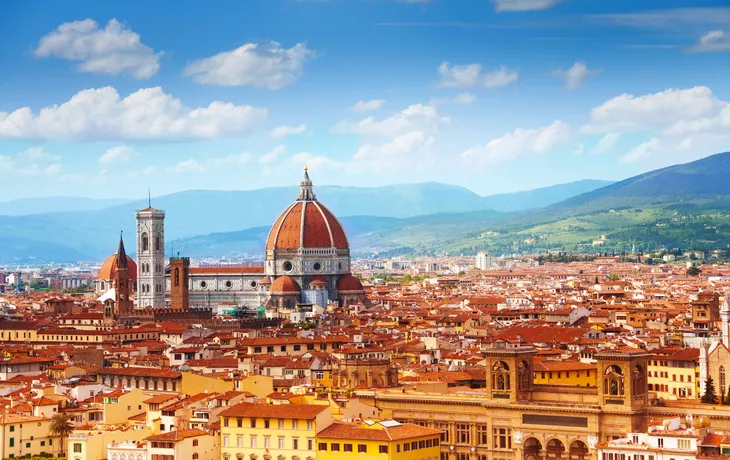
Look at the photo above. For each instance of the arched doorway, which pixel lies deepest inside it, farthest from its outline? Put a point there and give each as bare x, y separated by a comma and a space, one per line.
555, 449
532, 449
578, 450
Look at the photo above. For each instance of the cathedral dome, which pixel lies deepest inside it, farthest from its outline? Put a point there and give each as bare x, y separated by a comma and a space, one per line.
109, 267
306, 224
284, 285
349, 283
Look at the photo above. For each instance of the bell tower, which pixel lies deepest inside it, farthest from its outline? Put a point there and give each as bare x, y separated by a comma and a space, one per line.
622, 378
509, 372
150, 258
179, 283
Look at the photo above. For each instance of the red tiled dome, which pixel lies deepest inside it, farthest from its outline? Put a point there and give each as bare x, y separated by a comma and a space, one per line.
318, 280
284, 285
306, 224
106, 272
349, 283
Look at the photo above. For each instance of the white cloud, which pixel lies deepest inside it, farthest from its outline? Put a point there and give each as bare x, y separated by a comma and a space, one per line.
467, 76
269, 157
518, 143
31, 162
395, 155
576, 75
523, 5
147, 114
641, 152
415, 117
310, 160
112, 50
464, 99
367, 106
712, 42
212, 163
672, 109
263, 65
284, 131
116, 155
606, 143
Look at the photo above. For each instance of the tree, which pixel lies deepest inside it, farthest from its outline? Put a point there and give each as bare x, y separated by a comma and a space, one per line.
710, 396
693, 271
61, 426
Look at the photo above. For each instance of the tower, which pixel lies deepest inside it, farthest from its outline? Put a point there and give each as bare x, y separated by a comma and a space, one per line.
509, 372
725, 317
121, 305
179, 280
150, 258
622, 378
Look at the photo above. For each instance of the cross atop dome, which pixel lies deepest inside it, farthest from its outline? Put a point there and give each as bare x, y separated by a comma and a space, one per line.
305, 188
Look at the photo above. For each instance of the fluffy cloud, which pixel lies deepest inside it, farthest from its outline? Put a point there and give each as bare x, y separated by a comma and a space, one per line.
394, 155
466, 76
417, 117
518, 143
641, 152
310, 160
116, 155
576, 75
147, 114
193, 165
33, 161
523, 5
672, 109
367, 106
112, 50
712, 42
464, 99
264, 65
284, 131
606, 143
269, 157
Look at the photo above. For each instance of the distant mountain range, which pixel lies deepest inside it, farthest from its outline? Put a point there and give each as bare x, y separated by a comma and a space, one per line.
25, 206
686, 206
91, 234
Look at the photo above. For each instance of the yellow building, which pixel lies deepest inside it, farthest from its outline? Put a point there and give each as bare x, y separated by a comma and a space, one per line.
383, 440
193, 384
675, 373
572, 373
92, 444
278, 432
26, 436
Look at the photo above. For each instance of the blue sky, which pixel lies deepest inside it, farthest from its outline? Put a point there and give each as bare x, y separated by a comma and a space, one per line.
106, 99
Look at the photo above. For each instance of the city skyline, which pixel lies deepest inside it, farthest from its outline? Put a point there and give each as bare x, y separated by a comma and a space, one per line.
496, 96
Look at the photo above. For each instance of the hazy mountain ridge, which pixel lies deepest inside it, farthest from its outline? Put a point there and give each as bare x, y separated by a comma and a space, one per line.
195, 214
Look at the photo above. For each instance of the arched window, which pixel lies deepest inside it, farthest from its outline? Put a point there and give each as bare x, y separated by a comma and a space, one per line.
722, 377
157, 242
195, 443
177, 283
102, 285
145, 242
500, 376
613, 381
195, 455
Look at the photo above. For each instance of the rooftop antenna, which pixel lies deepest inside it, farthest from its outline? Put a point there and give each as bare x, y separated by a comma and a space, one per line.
149, 197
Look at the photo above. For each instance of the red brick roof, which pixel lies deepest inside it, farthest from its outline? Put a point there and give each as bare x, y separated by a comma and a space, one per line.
178, 435
359, 432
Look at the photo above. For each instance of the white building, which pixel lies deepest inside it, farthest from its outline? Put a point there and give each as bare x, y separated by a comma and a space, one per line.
127, 450
150, 258
670, 441
485, 261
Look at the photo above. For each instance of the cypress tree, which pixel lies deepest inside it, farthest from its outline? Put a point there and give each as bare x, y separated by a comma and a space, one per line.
710, 396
